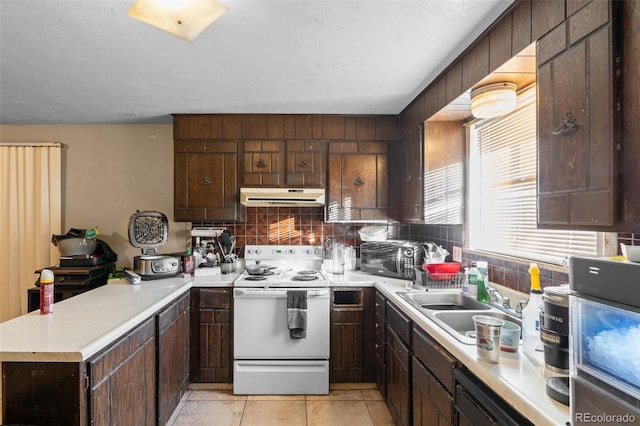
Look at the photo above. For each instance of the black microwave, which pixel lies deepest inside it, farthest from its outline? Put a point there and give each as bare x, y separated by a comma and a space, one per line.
391, 258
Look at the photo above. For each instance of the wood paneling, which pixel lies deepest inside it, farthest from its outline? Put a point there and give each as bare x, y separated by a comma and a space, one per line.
521, 27
475, 65
454, 82
545, 15
500, 44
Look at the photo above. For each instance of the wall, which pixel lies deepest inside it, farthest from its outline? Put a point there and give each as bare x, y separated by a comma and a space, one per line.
110, 171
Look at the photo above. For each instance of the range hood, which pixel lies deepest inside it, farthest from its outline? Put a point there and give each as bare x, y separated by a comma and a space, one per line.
282, 197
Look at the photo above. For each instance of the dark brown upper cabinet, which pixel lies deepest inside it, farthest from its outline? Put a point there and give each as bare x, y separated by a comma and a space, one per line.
263, 163
358, 181
306, 163
410, 175
206, 181
578, 120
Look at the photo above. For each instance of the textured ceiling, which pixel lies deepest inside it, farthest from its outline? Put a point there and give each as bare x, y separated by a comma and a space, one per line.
82, 61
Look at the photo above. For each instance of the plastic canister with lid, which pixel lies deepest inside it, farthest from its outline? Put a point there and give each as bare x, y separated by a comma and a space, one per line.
554, 328
46, 291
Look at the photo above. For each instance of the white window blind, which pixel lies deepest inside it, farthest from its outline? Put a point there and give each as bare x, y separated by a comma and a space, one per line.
502, 200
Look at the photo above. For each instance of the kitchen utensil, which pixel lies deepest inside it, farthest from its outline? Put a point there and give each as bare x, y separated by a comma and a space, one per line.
226, 241
258, 269
76, 246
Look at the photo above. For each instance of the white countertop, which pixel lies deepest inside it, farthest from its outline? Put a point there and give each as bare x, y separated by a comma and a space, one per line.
81, 326
515, 378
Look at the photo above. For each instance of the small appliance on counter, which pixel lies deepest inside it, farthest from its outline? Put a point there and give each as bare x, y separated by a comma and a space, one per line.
391, 258
76, 273
149, 230
604, 366
85, 263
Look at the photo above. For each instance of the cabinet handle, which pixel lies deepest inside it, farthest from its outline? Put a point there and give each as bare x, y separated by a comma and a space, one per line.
205, 181
567, 125
303, 163
261, 164
358, 182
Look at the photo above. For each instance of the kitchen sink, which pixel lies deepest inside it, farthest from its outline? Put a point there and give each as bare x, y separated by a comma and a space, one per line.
460, 324
454, 312
443, 301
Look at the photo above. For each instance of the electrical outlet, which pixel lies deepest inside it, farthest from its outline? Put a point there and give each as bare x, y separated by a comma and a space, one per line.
457, 254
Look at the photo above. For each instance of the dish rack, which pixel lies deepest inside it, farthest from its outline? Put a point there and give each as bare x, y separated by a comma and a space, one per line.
439, 281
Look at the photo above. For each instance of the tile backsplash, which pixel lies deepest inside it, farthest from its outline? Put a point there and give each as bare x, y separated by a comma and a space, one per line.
291, 226
298, 226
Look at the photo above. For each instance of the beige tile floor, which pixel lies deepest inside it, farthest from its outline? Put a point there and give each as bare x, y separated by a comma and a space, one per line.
347, 404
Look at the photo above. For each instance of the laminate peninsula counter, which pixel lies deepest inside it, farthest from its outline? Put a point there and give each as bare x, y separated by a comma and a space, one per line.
103, 356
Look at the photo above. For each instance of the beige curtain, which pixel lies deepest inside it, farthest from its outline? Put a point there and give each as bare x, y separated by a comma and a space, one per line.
30, 212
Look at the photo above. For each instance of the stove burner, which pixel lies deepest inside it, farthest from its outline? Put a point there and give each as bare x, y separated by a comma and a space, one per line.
307, 272
304, 277
255, 278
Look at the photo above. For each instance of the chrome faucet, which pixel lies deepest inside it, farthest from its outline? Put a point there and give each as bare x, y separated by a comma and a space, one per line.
496, 297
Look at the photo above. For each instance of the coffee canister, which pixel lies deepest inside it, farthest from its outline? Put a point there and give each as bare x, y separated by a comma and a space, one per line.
554, 328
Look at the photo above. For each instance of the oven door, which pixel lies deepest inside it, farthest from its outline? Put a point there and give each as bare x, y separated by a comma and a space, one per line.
260, 325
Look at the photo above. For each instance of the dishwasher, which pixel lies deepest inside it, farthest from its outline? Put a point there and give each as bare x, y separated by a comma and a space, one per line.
477, 405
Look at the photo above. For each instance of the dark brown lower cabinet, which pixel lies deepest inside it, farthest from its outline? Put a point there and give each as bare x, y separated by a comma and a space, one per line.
211, 335
433, 382
352, 335
137, 380
51, 393
123, 380
398, 379
173, 356
380, 344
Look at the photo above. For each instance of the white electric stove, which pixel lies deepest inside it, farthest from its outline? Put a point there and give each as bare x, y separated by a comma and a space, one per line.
267, 360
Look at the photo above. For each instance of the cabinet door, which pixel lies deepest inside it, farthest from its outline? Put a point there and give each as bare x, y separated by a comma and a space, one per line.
211, 355
432, 403
306, 161
398, 379
206, 181
444, 154
263, 163
173, 356
577, 122
358, 181
410, 177
123, 380
352, 335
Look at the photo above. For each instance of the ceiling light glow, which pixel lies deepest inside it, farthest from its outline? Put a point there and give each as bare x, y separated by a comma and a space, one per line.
186, 19
493, 100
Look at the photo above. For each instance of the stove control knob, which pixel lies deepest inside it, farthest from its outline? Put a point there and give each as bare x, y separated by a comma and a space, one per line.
308, 252
292, 251
248, 251
317, 251
257, 251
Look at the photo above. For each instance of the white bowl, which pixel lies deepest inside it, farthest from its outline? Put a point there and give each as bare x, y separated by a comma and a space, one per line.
632, 253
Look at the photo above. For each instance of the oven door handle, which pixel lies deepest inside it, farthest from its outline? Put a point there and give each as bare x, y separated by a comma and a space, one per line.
275, 293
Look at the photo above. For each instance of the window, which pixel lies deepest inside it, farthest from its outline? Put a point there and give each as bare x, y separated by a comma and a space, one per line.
502, 191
